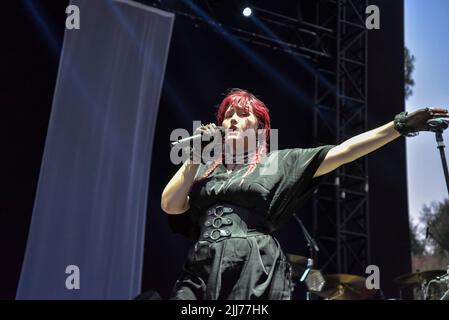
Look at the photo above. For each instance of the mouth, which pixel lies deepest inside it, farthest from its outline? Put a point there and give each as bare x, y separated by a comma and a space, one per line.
233, 131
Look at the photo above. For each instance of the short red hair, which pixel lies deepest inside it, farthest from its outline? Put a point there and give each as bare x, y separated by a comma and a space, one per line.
239, 98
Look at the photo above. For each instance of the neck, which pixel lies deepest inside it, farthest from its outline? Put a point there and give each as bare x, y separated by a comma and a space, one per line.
232, 156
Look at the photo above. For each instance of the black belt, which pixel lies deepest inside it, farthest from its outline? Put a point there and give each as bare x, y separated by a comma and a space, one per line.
224, 220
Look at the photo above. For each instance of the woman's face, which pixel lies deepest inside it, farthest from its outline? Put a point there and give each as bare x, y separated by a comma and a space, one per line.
237, 120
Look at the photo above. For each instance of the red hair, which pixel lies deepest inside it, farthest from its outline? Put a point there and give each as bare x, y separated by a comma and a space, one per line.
239, 98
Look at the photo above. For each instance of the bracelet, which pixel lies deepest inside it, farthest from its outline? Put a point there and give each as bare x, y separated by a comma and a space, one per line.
401, 127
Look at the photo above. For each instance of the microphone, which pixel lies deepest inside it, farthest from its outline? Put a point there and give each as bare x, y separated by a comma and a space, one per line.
185, 142
310, 241
438, 124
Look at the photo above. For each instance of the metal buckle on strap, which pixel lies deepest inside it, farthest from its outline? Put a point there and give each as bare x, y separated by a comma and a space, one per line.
216, 234
218, 222
226, 220
219, 210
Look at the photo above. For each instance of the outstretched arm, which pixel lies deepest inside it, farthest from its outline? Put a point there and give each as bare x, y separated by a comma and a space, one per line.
357, 147
367, 142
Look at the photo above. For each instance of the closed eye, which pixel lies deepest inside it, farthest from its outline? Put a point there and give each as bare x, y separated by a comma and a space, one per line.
244, 114
240, 112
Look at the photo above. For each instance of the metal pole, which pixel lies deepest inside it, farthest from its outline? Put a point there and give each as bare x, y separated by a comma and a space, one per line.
441, 146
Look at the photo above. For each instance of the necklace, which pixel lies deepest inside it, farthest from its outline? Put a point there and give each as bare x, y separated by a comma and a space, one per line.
236, 162
234, 168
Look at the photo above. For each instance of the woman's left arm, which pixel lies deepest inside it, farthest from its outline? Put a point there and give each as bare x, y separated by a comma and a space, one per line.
367, 142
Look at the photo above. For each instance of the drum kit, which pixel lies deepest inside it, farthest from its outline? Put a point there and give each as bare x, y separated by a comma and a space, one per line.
328, 287
426, 285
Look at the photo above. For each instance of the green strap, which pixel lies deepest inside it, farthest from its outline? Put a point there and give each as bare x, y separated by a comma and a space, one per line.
401, 126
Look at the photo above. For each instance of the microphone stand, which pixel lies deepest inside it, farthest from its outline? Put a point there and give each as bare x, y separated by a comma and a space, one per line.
313, 250
440, 143
438, 126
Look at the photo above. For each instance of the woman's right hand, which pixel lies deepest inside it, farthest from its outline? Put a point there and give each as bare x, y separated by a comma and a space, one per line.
211, 134
207, 129
175, 196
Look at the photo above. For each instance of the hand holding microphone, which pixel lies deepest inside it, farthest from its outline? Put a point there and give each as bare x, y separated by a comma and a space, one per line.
206, 131
204, 138
428, 119
438, 124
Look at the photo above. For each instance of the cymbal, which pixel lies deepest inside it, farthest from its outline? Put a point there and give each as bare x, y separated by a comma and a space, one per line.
419, 277
296, 259
345, 287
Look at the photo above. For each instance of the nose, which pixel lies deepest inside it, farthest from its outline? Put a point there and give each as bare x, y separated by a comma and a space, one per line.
235, 118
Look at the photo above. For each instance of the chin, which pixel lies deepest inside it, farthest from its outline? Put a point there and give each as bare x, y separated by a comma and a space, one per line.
233, 139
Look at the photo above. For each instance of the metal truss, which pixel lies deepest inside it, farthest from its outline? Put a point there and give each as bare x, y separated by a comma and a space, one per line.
341, 207
287, 34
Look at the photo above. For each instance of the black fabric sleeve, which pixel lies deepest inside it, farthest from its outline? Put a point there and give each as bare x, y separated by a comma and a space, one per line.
298, 167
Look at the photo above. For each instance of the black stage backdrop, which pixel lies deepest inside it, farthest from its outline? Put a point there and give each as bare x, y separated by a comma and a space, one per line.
202, 64
390, 245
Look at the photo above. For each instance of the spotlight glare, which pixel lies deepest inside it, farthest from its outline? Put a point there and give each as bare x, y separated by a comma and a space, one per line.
247, 11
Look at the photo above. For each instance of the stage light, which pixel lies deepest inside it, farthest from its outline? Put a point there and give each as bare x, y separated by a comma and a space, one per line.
247, 11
